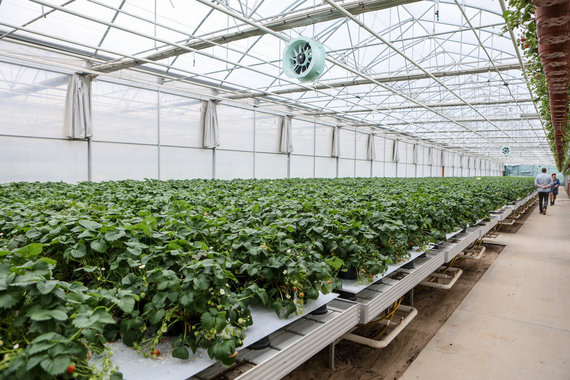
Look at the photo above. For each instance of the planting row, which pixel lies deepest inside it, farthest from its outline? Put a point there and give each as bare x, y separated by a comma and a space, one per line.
81, 265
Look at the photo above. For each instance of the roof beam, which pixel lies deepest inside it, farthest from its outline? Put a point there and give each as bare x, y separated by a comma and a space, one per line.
460, 120
479, 130
388, 79
432, 105
320, 14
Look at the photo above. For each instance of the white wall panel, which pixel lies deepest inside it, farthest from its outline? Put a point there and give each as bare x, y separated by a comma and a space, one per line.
345, 168
270, 165
425, 155
236, 128
390, 169
266, 133
409, 153
180, 121
42, 160
231, 165
185, 163
303, 137
401, 169
389, 151
325, 167
124, 114
379, 145
29, 106
410, 170
378, 169
362, 168
324, 140
301, 166
123, 161
361, 145
346, 143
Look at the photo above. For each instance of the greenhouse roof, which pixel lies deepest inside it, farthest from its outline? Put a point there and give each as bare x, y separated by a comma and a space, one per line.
442, 71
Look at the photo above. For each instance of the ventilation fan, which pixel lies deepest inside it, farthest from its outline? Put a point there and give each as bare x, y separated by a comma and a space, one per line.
506, 150
304, 59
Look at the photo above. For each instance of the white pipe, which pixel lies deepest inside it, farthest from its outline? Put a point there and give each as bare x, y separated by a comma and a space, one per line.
465, 254
458, 272
390, 337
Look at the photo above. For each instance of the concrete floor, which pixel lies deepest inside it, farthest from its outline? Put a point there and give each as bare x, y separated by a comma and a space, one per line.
515, 322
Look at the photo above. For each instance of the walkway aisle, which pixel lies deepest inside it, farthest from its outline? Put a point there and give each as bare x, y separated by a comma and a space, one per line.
515, 322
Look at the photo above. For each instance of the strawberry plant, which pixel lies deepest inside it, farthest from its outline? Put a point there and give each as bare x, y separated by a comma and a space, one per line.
85, 264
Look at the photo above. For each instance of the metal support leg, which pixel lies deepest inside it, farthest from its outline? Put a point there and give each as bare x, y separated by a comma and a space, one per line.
331, 355
412, 297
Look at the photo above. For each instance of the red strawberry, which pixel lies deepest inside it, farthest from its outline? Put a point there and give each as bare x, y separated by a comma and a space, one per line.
71, 368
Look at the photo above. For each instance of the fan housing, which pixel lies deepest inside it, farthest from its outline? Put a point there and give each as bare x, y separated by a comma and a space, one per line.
304, 59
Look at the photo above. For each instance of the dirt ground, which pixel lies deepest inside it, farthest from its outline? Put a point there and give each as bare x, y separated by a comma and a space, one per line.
435, 306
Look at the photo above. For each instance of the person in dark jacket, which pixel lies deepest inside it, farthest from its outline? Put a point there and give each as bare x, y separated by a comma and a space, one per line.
554, 189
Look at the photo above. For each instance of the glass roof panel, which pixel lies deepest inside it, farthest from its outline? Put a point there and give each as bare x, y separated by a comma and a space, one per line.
439, 70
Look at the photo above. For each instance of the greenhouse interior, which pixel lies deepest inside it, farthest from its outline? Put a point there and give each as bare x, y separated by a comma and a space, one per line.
301, 189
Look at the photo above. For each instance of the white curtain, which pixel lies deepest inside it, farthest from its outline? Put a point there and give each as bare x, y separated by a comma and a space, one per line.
370, 148
430, 156
77, 118
443, 158
210, 127
468, 162
415, 154
395, 152
335, 148
461, 160
285, 137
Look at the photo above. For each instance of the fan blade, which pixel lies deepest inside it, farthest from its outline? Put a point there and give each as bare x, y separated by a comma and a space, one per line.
297, 69
307, 46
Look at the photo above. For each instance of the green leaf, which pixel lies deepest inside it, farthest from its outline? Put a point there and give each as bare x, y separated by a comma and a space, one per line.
46, 287
55, 366
9, 299
33, 233
126, 304
113, 235
31, 250
262, 293
221, 321
36, 313
208, 321
223, 349
58, 314
39, 347
180, 352
156, 318
90, 225
186, 298
99, 245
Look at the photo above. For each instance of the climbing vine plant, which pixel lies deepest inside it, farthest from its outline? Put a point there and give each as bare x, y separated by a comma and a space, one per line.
520, 17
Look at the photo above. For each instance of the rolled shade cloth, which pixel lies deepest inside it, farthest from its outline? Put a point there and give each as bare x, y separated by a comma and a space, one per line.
210, 127
395, 152
335, 148
285, 138
370, 148
77, 118
415, 154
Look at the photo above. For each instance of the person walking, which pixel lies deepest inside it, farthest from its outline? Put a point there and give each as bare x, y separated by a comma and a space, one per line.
554, 189
543, 182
